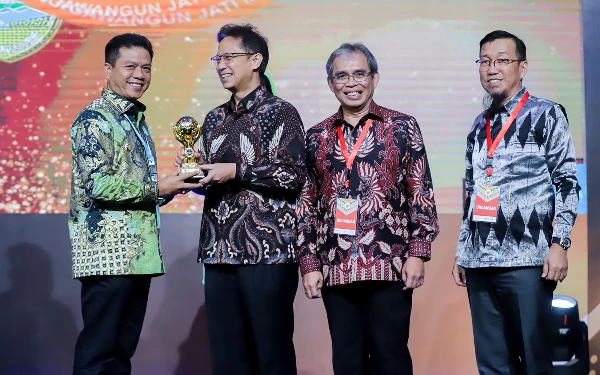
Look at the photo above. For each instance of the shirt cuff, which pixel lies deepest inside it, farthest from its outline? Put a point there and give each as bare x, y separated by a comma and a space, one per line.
243, 172
150, 193
459, 250
561, 231
309, 263
420, 249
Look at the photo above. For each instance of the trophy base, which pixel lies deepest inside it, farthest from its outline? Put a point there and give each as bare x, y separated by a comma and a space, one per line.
193, 179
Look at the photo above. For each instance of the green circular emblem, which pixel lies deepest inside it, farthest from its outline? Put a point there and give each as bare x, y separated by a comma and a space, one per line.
24, 30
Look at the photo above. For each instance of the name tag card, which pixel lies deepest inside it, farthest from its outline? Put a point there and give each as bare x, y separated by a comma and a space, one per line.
487, 203
346, 216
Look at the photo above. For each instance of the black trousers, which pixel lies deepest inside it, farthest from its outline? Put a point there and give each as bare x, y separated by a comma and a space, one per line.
113, 309
251, 318
511, 310
369, 322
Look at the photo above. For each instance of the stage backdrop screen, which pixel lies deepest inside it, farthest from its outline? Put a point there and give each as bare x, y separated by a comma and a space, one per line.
51, 58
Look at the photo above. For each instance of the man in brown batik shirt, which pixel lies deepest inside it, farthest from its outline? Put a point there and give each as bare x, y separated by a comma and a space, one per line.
254, 151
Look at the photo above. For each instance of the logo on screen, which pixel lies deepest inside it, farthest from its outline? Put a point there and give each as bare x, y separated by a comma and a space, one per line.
24, 30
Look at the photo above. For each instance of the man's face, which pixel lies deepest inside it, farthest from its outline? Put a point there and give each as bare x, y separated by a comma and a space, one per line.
503, 80
235, 71
352, 94
132, 73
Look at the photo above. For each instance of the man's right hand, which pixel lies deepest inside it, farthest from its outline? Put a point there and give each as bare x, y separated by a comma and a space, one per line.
459, 274
175, 184
179, 158
313, 282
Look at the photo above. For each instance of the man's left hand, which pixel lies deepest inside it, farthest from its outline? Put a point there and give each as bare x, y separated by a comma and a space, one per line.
218, 173
556, 264
413, 273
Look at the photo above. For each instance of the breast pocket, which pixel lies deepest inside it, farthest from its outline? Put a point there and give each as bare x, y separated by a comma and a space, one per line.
525, 158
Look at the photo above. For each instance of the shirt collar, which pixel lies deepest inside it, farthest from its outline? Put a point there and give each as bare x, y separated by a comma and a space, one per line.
375, 112
121, 103
250, 101
512, 103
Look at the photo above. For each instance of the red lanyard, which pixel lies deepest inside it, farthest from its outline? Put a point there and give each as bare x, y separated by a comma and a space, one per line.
492, 146
350, 157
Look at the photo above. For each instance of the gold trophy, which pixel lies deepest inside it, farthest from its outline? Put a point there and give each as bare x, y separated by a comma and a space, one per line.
187, 131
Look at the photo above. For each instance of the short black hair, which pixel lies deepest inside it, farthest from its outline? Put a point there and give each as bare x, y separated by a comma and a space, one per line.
501, 34
129, 40
252, 41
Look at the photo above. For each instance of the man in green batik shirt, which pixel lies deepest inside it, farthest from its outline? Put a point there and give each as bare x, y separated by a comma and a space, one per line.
114, 219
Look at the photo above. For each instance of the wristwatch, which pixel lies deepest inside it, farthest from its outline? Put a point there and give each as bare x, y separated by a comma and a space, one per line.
565, 243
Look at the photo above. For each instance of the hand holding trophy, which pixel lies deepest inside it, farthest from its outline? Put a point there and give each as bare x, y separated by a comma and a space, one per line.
187, 131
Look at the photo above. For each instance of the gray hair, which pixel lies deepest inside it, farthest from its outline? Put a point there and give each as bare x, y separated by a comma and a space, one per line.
348, 49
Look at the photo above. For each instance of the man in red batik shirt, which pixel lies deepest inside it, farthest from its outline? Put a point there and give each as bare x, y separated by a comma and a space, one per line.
367, 219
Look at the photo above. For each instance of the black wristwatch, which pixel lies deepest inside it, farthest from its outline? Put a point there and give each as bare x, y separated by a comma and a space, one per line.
565, 243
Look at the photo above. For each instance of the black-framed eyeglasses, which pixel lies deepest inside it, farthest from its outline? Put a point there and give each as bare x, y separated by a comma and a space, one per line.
359, 76
498, 63
228, 57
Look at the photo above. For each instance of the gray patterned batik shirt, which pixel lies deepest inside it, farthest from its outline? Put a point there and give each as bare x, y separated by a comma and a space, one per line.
537, 153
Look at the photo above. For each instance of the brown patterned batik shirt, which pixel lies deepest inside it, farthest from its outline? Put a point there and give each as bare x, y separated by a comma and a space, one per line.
252, 219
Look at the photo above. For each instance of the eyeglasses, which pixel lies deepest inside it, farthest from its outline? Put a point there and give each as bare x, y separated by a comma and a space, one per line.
359, 76
498, 63
228, 57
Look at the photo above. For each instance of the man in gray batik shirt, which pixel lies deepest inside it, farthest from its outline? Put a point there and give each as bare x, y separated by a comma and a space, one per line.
513, 242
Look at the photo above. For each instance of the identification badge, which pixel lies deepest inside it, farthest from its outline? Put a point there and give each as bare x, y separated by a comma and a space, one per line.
487, 203
346, 216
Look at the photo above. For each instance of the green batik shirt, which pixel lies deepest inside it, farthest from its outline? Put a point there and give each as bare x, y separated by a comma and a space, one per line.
114, 218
